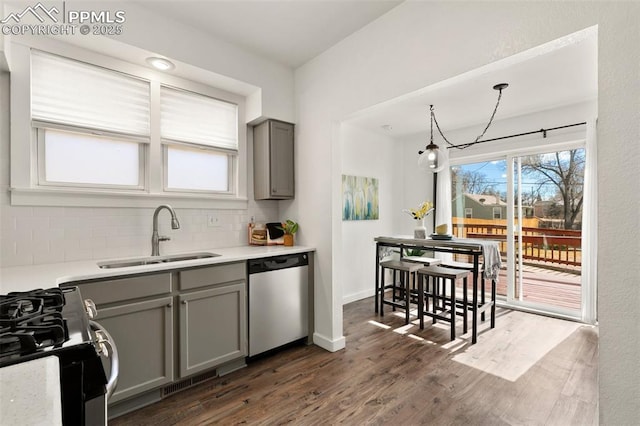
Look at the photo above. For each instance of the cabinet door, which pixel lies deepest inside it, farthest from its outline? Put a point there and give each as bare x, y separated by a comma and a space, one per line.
213, 327
281, 153
143, 333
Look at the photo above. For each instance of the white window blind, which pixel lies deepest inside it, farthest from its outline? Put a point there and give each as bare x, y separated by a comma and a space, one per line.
193, 118
72, 93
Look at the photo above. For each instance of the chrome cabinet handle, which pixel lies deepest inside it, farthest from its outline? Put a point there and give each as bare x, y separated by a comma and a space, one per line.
90, 308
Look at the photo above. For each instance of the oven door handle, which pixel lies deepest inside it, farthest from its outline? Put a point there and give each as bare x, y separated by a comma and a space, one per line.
104, 338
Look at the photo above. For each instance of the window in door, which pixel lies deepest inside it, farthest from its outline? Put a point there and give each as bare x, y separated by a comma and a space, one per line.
540, 236
547, 248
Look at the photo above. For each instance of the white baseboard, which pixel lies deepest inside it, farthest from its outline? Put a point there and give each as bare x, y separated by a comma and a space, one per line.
357, 296
328, 344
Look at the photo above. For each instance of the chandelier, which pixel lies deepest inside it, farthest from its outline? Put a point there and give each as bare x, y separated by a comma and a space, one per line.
430, 156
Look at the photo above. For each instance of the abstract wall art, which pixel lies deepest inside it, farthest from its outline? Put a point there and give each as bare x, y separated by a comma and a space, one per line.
359, 198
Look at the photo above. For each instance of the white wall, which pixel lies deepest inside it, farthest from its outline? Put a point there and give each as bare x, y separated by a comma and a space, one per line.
417, 185
569, 114
164, 36
33, 235
420, 43
370, 155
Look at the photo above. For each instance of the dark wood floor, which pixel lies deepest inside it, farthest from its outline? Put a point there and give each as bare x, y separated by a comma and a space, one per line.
395, 374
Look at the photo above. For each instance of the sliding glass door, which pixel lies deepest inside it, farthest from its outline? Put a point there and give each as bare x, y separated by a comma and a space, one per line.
546, 243
531, 203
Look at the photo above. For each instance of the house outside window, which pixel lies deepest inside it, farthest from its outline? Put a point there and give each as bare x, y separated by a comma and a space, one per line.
497, 213
468, 212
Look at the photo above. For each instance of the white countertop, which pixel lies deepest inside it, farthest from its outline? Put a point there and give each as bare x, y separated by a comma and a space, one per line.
30, 393
24, 278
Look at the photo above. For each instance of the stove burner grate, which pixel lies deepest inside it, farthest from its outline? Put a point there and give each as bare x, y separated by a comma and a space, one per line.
30, 321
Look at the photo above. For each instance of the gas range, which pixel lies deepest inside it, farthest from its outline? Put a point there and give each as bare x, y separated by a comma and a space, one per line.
57, 322
32, 323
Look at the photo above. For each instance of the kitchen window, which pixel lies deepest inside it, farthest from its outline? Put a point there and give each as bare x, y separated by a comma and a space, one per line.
75, 159
105, 132
200, 140
91, 124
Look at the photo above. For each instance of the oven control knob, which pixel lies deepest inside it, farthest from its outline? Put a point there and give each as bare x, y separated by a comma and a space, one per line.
101, 343
90, 307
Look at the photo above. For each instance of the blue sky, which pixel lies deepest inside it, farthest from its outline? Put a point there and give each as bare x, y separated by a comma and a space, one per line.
496, 174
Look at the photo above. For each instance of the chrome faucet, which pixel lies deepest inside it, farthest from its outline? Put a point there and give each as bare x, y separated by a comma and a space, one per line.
155, 238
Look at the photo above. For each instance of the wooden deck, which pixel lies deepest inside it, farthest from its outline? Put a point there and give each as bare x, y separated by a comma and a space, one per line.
548, 287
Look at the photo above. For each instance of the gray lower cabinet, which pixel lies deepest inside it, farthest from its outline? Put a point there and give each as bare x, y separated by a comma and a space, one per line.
143, 332
165, 331
213, 327
138, 313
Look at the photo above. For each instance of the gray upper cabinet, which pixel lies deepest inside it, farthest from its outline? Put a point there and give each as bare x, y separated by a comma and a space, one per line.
273, 170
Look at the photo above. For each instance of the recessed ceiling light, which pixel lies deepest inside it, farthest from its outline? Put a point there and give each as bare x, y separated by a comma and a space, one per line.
160, 63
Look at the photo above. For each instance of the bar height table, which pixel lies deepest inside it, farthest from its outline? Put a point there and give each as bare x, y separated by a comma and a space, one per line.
473, 248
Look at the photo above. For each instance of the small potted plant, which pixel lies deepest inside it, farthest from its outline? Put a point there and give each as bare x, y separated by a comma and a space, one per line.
289, 227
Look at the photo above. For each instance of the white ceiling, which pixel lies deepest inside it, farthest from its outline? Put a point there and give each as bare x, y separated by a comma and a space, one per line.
557, 74
290, 32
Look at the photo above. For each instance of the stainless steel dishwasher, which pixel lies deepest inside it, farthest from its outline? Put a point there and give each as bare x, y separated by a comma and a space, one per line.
278, 301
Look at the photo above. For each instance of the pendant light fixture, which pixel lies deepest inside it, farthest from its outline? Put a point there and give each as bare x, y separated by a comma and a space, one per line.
430, 156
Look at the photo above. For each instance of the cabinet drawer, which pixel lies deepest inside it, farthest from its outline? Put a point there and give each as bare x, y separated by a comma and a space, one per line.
212, 275
120, 289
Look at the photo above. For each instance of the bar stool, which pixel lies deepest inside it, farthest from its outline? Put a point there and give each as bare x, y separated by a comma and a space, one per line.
469, 267
425, 261
449, 303
407, 272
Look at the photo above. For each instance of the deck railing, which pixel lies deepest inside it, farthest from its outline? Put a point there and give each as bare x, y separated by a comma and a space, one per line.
559, 246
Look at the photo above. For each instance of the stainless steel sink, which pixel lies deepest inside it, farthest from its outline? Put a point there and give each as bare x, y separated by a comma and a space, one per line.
152, 260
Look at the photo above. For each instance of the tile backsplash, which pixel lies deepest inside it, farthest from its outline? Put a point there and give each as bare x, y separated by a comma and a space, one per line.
35, 235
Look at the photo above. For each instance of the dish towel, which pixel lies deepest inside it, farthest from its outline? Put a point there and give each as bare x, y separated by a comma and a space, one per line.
492, 259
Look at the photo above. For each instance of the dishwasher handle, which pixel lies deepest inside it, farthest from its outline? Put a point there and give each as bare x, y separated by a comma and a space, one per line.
278, 262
